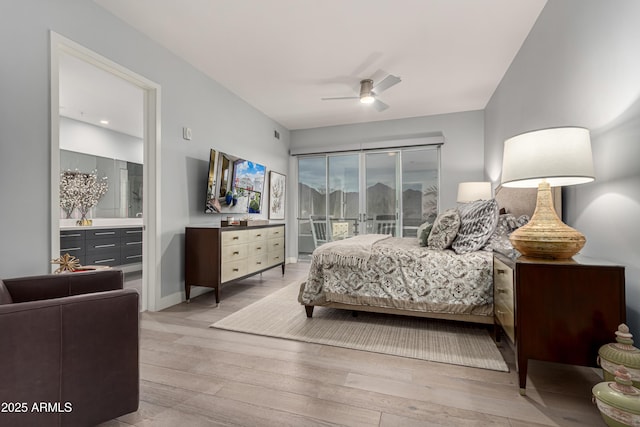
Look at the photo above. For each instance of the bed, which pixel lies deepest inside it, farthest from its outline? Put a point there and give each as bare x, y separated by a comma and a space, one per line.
386, 274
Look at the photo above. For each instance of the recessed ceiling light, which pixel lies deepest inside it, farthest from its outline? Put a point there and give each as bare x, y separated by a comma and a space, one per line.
104, 122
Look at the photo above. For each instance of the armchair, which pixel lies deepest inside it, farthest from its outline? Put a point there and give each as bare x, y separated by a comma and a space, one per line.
68, 349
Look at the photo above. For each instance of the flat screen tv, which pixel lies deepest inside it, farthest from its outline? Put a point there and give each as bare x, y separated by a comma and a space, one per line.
234, 185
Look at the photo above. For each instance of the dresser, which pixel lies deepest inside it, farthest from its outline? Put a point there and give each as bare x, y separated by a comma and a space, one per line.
111, 246
558, 310
218, 255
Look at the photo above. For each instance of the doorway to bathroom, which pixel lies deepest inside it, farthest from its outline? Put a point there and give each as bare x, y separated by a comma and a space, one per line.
104, 136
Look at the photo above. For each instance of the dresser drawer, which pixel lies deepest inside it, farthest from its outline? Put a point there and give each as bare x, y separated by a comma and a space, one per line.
276, 257
234, 237
258, 262
103, 245
103, 233
110, 258
275, 232
131, 235
257, 235
233, 270
276, 245
258, 248
503, 298
131, 252
232, 253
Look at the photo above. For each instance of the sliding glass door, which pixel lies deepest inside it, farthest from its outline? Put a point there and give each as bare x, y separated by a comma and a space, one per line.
381, 196
382, 191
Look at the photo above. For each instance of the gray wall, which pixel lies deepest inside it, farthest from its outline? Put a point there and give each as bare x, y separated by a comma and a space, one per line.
579, 66
219, 119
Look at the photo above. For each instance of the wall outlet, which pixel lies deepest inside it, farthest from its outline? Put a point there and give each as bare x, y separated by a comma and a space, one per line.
186, 133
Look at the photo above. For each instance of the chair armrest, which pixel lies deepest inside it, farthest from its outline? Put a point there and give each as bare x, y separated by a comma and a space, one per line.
81, 349
50, 286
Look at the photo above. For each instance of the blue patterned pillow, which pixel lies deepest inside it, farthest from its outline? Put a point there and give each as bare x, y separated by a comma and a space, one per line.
444, 229
478, 221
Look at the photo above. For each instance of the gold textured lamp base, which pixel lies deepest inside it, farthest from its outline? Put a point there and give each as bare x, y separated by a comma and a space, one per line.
545, 235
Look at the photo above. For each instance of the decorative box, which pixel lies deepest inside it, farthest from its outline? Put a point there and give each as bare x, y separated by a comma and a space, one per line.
622, 352
618, 401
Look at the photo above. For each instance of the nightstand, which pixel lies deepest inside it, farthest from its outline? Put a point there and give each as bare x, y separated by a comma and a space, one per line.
558, 310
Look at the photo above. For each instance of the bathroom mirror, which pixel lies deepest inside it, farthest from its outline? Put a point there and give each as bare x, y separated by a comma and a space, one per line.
123, 199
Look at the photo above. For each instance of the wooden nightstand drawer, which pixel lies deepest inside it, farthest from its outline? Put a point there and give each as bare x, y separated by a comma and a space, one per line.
503, 298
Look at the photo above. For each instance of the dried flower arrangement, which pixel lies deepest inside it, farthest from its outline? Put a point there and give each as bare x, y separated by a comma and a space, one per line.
81, 191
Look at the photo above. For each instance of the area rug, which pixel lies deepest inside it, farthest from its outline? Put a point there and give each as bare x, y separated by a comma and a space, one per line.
280, 315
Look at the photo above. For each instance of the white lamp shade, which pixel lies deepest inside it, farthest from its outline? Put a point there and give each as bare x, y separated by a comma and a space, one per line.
470, 191
559, 156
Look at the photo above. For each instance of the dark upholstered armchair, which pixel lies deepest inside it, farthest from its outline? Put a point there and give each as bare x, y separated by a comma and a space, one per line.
68, 349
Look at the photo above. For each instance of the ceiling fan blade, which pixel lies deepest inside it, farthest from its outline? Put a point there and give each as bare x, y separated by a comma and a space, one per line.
379, 105
340, 97
386, 83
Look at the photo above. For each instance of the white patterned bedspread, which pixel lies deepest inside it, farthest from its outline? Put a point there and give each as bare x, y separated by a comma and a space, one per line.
403, 275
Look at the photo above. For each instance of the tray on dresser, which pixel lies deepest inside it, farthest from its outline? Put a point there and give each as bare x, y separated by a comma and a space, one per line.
245, 223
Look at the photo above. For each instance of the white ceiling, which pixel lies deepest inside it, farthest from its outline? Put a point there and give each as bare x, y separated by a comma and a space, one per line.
90, 94
282, 56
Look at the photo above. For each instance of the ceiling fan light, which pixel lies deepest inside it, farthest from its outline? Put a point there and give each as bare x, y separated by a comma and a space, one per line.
367, 99
366, 95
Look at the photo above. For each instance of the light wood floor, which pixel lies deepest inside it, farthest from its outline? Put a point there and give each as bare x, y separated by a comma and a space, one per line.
192, 375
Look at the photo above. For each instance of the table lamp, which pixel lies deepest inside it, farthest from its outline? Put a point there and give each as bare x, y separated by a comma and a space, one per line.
471, 191
545, 158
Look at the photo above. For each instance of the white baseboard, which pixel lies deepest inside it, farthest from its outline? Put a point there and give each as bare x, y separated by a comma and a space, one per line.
179, 297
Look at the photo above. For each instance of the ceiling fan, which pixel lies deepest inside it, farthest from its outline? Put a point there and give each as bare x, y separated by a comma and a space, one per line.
369, 92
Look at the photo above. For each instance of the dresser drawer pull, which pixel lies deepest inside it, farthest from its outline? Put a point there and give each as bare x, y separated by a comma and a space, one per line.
276, 244
105, 246
133, 243
259, 262
258, 235
502, 291
236, 269
100, 261
501, 271
277, 257
236, 237
133, 231
259, 248
70, 249
236, 253
104, 233
134, 256
71, 235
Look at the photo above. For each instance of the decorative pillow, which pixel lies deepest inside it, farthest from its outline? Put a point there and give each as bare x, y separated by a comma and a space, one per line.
478, 221
499, 240
444, 229
423, 233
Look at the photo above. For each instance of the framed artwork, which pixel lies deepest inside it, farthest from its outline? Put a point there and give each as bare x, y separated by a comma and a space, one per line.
277, 190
